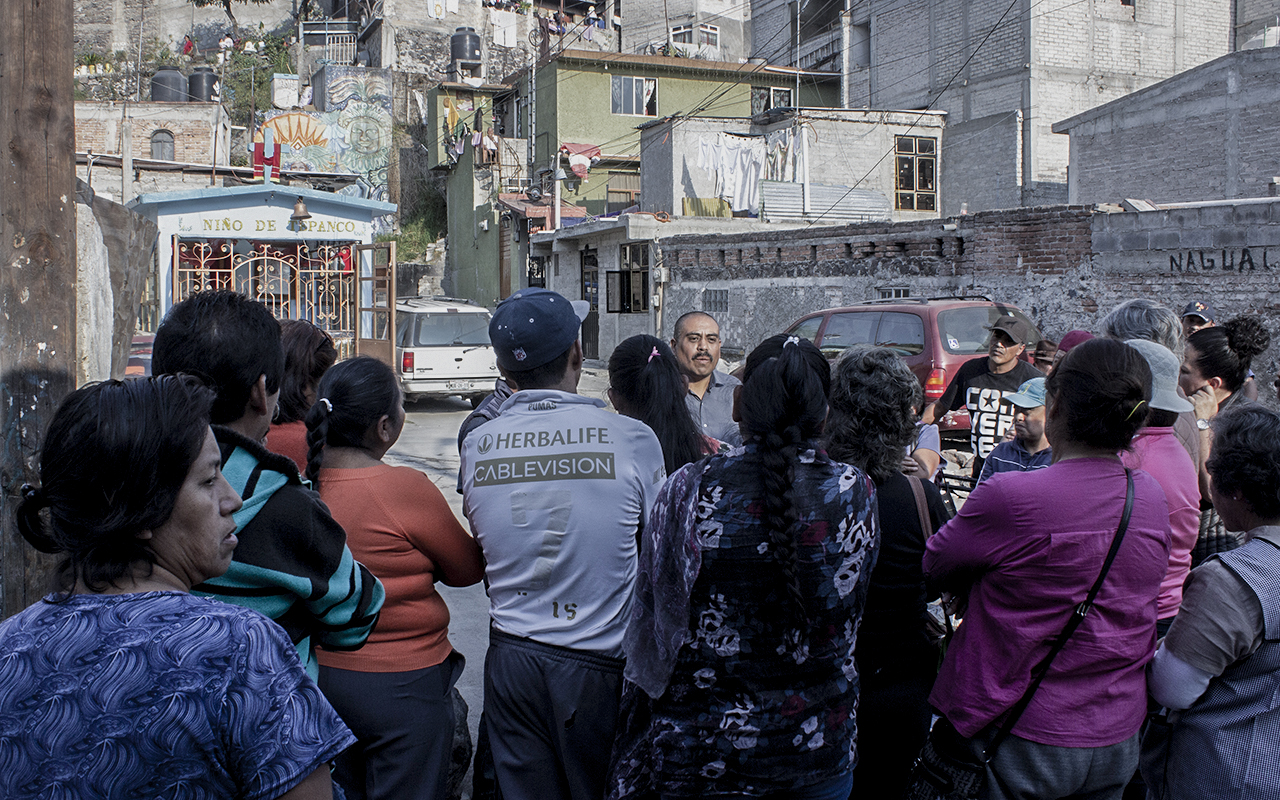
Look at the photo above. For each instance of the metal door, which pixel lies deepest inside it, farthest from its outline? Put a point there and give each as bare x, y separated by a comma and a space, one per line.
376, 301
591, 293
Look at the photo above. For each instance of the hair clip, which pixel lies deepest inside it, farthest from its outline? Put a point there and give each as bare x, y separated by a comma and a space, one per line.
327, 405
652, 355
791, 340
1135, 410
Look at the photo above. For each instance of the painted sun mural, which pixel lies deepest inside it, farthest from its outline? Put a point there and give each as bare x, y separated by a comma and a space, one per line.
352, 134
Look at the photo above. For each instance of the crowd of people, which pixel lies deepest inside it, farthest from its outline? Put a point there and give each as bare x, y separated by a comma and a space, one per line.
731, 587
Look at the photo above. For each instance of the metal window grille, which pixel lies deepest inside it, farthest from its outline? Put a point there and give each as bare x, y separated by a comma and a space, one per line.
340, 48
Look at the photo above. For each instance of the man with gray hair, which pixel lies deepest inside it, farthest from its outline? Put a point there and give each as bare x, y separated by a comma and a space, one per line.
1141, 318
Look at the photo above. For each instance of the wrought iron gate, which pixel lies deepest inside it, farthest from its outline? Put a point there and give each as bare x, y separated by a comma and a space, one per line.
294, 280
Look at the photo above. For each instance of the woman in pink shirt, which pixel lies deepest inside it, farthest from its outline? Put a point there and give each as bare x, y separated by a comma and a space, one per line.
1026, 548
1157, 450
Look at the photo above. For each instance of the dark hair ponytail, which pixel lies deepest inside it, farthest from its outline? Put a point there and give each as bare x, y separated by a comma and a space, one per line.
783, 404
309, 352
1098, 394
1225, 351
112, 464
350, 400
643, 371
29, 521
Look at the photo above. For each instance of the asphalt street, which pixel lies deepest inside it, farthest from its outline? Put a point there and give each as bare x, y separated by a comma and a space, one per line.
429, 443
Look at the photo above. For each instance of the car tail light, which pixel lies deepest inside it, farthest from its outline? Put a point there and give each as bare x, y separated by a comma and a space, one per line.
935, 385
406, 361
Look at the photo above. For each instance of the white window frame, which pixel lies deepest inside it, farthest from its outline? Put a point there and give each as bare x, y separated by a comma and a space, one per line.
627, 95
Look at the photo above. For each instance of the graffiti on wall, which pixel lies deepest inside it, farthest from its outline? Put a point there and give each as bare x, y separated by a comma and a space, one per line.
1244, 259
352, 134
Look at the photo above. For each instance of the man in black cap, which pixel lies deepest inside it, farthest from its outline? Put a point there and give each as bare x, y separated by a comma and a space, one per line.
982, 383
556, 490
1198, 314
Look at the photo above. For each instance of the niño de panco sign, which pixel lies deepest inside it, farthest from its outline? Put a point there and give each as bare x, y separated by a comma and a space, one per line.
235, 225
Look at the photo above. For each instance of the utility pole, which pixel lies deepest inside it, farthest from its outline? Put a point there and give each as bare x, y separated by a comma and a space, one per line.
37, 262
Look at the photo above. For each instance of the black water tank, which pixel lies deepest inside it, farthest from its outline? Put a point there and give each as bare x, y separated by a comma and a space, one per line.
168, 86
203, 83
464, 45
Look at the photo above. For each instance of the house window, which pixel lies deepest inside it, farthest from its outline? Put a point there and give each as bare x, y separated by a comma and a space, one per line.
1126, 2
917, 171
708, 35
715, 301
522, 107
764, 98
894, 292
623, 191
635, 96
162, 145
627, 289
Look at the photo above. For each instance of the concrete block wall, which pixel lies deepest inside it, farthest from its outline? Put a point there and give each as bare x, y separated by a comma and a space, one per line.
641, 27
905, 80
1065, 266
1209, 134
980, 164
770, 26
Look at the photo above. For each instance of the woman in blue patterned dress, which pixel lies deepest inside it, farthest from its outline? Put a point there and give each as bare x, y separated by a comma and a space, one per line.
121, 684
741, 680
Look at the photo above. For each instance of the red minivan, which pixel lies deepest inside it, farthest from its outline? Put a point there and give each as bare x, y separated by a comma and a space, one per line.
933, 335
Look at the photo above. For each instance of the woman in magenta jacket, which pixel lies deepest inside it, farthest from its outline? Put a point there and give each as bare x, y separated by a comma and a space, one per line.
1026, 548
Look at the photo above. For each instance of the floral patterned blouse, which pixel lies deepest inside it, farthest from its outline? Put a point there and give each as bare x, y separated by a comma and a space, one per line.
754, 704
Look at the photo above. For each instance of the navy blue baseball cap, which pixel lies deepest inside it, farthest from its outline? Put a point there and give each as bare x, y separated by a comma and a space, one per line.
1199, 308
533, 327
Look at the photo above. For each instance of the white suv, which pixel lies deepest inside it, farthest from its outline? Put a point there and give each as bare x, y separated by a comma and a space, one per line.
442, 347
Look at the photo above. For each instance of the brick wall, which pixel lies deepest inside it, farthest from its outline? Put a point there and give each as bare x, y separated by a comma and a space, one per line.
1065, 266
98, 128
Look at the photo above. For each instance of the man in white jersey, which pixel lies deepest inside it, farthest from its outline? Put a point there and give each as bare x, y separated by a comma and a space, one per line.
556, 490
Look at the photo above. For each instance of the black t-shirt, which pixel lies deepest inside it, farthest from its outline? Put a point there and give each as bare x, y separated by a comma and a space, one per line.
975, 387
892, 634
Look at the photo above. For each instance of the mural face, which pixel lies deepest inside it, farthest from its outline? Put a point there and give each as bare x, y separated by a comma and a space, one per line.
353, 135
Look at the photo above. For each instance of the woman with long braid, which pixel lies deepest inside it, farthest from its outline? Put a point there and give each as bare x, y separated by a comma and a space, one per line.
753, 573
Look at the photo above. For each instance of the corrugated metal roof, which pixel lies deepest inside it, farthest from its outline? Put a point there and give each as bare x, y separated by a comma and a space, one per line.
785, 200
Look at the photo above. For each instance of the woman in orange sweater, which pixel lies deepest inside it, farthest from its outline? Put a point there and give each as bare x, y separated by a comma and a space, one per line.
394, 693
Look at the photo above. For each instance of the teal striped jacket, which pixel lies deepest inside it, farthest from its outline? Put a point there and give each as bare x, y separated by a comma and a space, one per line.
292, 564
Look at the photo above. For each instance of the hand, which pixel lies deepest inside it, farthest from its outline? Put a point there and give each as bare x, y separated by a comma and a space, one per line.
910, 466
1205, 402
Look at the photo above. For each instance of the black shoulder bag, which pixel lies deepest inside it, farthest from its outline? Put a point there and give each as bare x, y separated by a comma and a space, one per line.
945, 771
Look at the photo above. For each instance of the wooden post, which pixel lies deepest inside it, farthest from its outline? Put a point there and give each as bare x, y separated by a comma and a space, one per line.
37, 261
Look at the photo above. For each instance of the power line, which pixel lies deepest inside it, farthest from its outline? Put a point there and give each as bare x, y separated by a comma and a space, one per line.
920, 116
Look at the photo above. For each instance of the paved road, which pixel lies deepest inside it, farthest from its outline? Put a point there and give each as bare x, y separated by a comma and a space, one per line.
429, 444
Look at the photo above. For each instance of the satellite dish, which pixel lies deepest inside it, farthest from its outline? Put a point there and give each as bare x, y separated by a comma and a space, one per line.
533, 193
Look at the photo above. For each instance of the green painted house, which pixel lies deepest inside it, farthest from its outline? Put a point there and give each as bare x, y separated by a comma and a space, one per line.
577, 97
